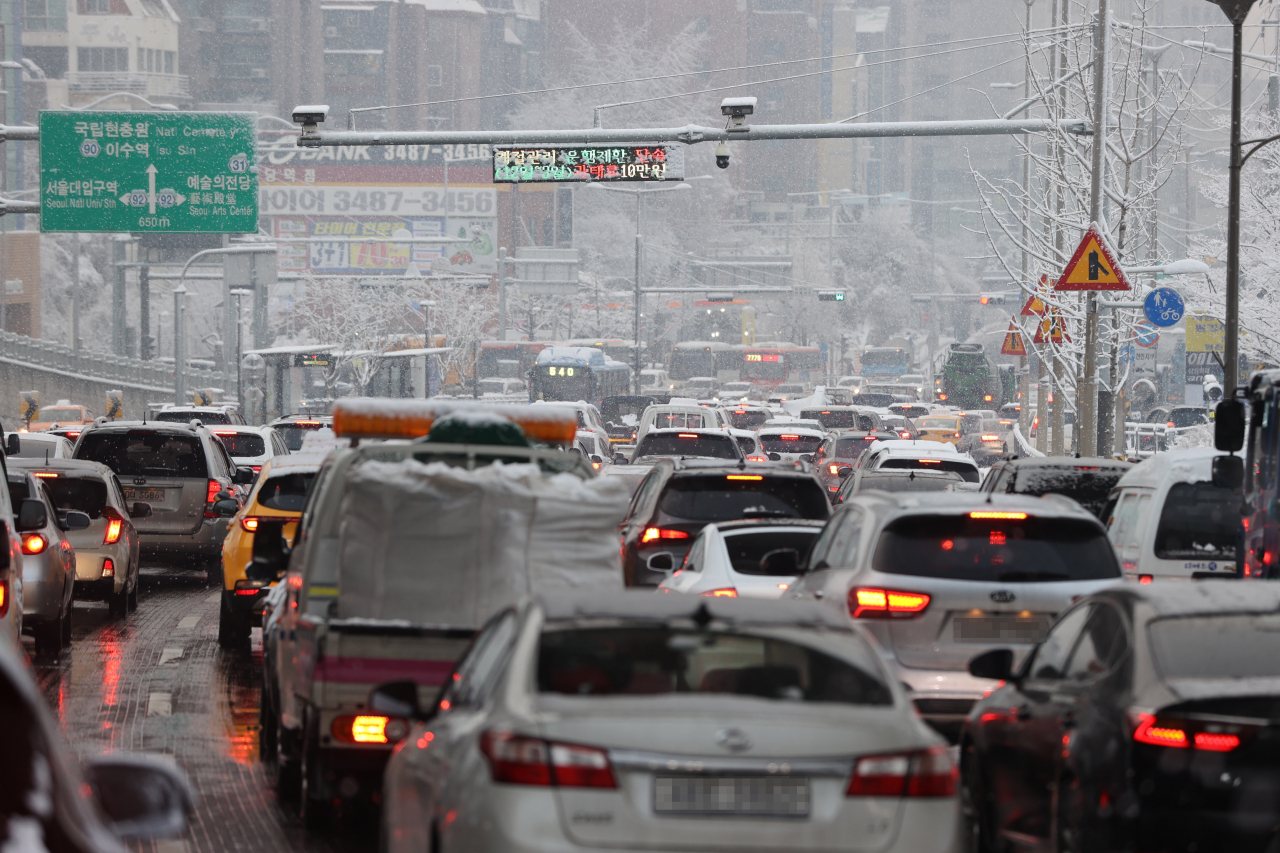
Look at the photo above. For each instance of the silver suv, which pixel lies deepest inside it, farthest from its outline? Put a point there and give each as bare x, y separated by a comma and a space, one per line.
181, 471
941, 577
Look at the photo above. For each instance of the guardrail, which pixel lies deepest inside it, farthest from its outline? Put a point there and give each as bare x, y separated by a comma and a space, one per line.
52, 357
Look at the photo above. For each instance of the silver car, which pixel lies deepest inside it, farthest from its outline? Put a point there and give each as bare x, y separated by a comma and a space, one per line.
665, 722
106, 550
48, 561
940, 577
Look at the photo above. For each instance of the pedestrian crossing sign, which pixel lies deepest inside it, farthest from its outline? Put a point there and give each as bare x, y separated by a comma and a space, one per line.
1013, 343
1093, 266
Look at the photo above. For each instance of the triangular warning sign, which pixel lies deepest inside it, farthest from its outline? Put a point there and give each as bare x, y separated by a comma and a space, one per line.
1050, 331
1035, 306
1092, 267
1013, 343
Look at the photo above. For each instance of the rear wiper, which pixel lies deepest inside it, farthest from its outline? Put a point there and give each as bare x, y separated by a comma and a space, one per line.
1031, 577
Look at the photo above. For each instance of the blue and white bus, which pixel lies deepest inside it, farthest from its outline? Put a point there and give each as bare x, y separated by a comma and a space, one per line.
885, 362
569, 374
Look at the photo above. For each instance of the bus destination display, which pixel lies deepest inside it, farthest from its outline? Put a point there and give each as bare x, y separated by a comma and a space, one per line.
586, 163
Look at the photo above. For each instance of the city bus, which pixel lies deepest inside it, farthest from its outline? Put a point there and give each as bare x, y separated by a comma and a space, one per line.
508, 359
885, 362
570, 374
768, 365
720, 361
615, 349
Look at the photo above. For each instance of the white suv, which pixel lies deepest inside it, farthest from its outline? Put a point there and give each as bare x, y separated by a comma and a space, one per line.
920, 455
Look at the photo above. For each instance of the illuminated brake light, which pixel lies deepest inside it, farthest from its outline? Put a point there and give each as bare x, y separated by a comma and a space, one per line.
224, 432
47, 475
990, 438
108, 568
212, 494
997, 514
870, 603
653, 534
789, 437
834, 469
250, 524
725, 592
307, 423
1145, 580
744, 477
1148, 732
688, 435
114, 526
521, 760
34, 543
927, 773
1169, 424
4, 596
368, 729
596, 465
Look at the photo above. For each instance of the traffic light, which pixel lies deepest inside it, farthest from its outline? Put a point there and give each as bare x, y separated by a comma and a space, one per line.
147, 348
831, 296
991, 298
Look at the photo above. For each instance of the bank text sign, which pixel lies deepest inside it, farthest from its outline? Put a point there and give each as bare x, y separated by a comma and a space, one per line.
148, 172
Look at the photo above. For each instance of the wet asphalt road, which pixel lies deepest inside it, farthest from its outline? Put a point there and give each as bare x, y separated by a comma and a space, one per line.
157, 682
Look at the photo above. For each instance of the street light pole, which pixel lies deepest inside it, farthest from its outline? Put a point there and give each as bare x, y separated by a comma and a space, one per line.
1087, 396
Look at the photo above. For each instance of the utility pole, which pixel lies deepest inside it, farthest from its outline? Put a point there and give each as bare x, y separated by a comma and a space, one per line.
1087, 398
635, 378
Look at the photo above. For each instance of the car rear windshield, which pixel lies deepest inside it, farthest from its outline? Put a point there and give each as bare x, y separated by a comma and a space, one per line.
748, 419
143, 453
789, 443
748, 548
906, 482
244, 444
34, 448
998, 550
285, 491
1199, 521
86, 494
61, 415
967, 470
677, 420
839, 419
937, 423
294, 435
1220, 647
695, 444
184, 417
1086, 485
726, 497
852, 448
1188, 417
879, 401
656, 661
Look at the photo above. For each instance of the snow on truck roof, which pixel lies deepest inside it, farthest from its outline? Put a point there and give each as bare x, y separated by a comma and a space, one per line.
571, 355
367, 417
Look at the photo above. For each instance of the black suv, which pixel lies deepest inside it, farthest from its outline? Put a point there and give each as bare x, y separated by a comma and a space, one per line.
681, 496
1087, 481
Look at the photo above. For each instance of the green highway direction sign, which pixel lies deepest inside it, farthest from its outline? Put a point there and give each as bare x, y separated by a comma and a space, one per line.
148, 172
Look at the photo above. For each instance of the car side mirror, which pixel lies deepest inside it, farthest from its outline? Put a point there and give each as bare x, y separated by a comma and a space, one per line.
12, 444
142, 796
32, 516
270, 553
1228, 472
243, 475
619, 459
75, 520
1228, 426
662, 563
140, 509
781, 561
396, 699
843, 473
596, 459
225, 508
996, 664
775, 457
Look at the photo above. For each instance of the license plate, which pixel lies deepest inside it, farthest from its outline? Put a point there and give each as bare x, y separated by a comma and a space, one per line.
1000, 628
145, 495
768, 796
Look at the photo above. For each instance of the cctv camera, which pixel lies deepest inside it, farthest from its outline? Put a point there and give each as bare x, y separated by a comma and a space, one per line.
738, 107
722, 155
311, 113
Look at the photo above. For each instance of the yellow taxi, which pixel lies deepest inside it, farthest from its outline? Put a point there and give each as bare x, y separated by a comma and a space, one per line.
939, 428
279, 493
62, 413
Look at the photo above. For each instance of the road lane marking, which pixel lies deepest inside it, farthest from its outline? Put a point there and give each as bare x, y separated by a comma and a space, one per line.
215, 598
160, 705
169, 656
187, 622
171, 845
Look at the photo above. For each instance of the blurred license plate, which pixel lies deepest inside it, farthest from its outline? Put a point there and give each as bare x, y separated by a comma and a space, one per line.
144, 495
731, 795
1000, 628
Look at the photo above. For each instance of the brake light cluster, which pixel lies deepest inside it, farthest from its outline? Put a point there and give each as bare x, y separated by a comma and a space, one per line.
210, 496
34, 543
368, 728
724, 592
1183, 734
520, 760
927, 773
654, 534
108, 568
4, 596
114, 526
870, 603
249, 523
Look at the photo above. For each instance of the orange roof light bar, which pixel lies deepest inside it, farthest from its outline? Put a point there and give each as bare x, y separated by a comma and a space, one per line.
409, 419
997, 514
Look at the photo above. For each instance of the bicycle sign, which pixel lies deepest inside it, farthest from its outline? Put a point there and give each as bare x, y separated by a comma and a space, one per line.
1164, 307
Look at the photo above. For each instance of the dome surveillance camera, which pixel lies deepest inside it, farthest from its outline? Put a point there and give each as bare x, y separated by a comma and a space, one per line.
722, 155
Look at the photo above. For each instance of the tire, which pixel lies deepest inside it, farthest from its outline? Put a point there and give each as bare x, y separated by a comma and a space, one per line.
49, 638
288, 767
133, 593
118, 604
233, 628
310, 807
268, 730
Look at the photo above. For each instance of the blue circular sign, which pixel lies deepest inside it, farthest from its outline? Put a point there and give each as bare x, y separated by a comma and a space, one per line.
1146, 334
1164, 307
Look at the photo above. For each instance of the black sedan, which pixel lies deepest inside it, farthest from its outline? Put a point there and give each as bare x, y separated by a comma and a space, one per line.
1148, 720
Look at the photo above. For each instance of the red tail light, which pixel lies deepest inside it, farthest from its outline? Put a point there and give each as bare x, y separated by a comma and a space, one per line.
368, 728
257, 469
210, 496
654, 534
250, 524
4, 596
114, 526
34, 543
1145, 580
869, 603
1183, 734
519, 760
108, 568
724, 592
928, 773
757, 459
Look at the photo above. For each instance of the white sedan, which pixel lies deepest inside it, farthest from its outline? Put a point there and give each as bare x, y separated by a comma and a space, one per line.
753, 559
659, 722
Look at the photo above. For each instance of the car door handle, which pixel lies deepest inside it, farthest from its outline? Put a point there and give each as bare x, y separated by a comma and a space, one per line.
1022, 713
1067, 720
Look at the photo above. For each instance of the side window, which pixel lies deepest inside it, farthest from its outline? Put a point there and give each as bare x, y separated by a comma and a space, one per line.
1121, 519
644, 493
844, 546
118, 491
479, 670
822, 545
693, 560
1101, 646
1050, 660
1140, 513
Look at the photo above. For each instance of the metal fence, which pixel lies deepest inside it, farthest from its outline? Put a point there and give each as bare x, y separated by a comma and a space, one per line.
117, 370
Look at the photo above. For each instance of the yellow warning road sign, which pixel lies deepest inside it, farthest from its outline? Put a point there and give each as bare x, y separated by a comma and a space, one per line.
1093, 266
1013, 343
28, 405
115, 404
1050, 330
1035, 306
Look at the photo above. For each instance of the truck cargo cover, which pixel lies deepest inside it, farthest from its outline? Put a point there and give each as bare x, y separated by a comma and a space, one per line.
438, 545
